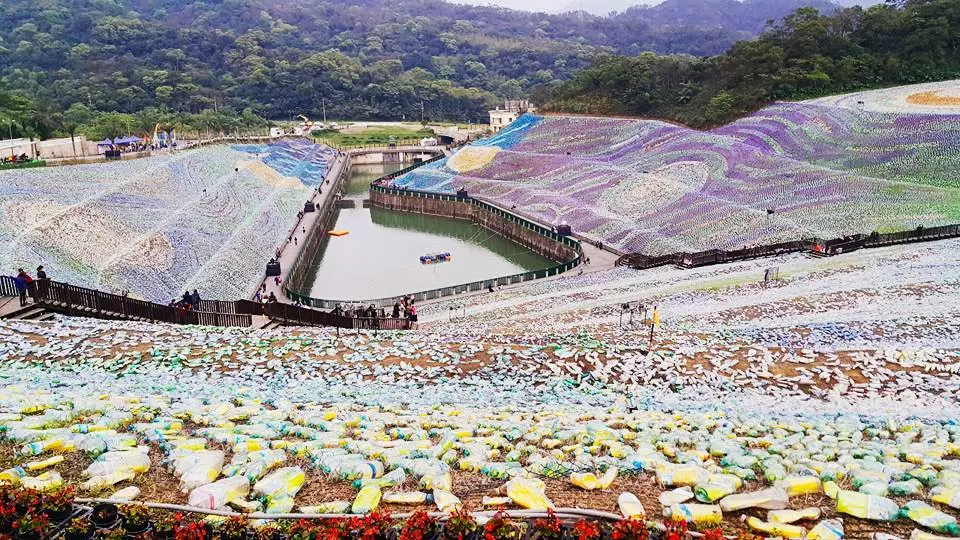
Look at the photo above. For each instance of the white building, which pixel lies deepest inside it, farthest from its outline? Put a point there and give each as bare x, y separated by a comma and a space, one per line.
502, 117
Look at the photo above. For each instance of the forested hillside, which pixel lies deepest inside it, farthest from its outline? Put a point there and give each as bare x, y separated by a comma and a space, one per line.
374, 59
807, 54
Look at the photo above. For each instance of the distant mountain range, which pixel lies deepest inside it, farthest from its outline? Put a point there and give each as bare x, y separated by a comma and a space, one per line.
352, 58
606, 7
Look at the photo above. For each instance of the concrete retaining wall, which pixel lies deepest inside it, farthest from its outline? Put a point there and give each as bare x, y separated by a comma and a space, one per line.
465, 209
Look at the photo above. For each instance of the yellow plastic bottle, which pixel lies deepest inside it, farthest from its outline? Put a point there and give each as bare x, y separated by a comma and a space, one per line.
867, 506
800, 485
940, 494
607, 479
330, 507
12, 476
107, 480
528, 493
586, 481
702, 515
828, 529
43, 464
446, 501
831, 489
405, 497
791, 516
367, 500
782, 530
47, 480
630, 506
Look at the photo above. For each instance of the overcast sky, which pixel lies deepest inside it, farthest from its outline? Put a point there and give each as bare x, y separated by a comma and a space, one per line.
598, 7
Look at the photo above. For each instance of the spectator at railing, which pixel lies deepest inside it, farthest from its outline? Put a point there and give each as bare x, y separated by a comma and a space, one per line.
23, 282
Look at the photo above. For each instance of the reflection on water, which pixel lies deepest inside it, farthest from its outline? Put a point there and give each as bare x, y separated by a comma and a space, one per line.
380, 256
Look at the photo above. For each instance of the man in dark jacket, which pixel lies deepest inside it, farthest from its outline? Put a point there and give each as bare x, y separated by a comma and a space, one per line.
40, 273
195, 299
22, 282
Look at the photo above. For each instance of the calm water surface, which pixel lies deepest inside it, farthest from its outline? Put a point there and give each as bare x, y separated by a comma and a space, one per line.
380, 256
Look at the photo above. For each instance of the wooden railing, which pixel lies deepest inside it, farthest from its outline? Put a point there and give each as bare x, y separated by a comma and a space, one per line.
817, 246
80, 301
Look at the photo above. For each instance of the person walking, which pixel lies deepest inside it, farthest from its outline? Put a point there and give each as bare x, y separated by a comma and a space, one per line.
22, 282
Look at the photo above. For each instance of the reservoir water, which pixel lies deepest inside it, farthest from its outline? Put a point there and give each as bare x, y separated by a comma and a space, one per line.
380, 257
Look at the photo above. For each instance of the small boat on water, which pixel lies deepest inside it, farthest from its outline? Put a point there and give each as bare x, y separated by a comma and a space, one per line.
434, 258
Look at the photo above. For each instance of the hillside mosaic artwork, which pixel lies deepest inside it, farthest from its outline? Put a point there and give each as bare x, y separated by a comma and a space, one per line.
207, 219
825, 168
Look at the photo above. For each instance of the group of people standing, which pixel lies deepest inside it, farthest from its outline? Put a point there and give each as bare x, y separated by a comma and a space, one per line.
188, 302
405, 307
26, 285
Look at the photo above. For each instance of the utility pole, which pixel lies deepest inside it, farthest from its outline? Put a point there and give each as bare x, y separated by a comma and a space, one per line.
421, 111
323, 105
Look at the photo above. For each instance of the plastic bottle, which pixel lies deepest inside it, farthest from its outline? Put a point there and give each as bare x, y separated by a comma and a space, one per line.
215, 496
107, 480
528, 493
135, 460
446, 501
38, 447
281, 504
702, 515
800, 485
772, 498
681, 475
126, 494
436, 481
867, 506
905, 487
792, 516
392, 479
367, 500
332, 507
202, 468
405, 497
354, 470
12, 476
717, 487
944, 495
43, 464
831, 489
828, 529
782, 530
675, 496
500, 471
931, 518
586, 481
630, 506
45, 481
607, 479
285, 481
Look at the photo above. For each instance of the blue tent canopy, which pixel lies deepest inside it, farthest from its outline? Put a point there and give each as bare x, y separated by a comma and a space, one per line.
105, 142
